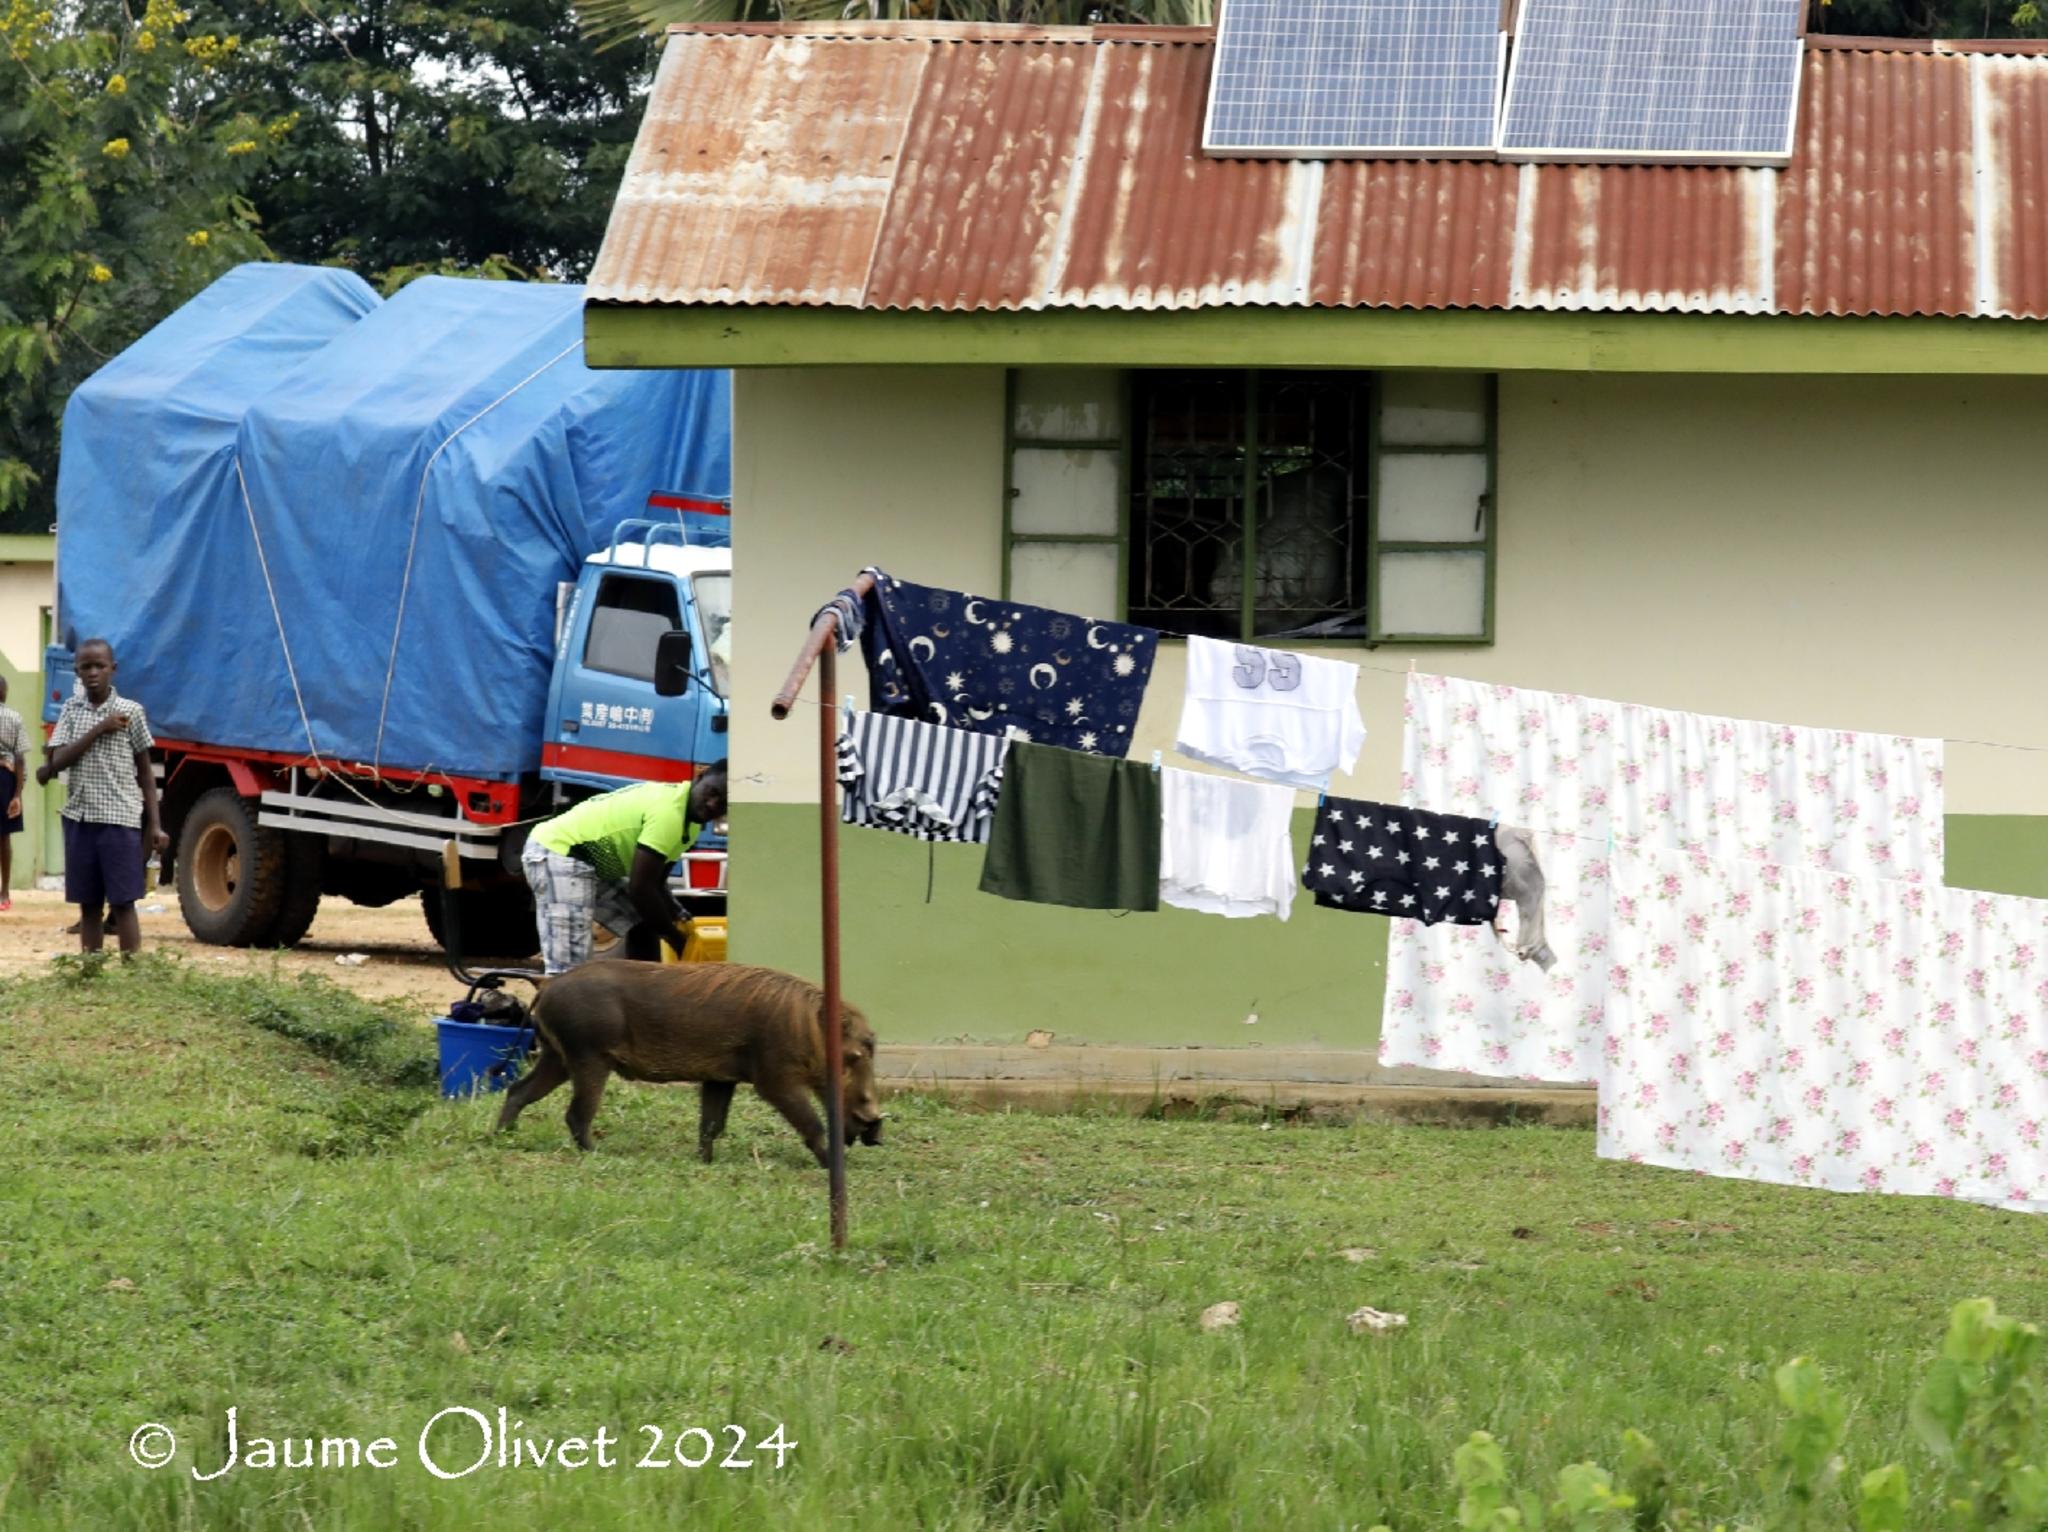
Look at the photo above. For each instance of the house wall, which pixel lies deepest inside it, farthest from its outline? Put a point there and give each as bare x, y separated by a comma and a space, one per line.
1855, 552
26, 588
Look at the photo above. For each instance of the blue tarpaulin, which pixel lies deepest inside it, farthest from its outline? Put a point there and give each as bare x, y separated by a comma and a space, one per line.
420, 474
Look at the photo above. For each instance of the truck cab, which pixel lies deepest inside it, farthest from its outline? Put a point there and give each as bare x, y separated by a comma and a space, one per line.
643, 670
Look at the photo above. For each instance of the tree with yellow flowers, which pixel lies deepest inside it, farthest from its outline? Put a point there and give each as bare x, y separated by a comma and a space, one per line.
121, 185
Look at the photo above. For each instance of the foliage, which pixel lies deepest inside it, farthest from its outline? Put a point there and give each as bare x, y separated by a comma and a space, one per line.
123, 179
1927, 18
617, 19
1977, 1411
480, 136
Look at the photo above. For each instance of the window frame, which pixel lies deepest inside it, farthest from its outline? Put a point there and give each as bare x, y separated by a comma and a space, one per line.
597, 605
1119, 444
1488, 545
1126, 447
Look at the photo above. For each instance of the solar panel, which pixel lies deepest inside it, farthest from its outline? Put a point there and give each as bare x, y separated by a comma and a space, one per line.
1319, 79
1692, 80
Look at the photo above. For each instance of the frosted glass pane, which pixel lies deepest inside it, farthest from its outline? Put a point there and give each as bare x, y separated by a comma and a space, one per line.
1425, 498
1072, 577
1433, 593
1068, 404
1064, 489
1433, 409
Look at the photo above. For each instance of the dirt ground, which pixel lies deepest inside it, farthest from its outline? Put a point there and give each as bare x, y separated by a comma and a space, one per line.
403, 960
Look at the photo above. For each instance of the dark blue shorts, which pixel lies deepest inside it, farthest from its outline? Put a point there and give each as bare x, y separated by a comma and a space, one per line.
102, 863
9, 786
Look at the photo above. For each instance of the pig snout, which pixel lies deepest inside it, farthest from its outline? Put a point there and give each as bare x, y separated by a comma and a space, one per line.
863, 1108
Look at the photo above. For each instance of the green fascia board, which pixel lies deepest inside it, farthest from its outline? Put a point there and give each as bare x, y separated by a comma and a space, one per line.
28, 547
1469, 340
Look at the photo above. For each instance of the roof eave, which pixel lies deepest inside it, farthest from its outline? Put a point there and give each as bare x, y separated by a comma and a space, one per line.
1479, 340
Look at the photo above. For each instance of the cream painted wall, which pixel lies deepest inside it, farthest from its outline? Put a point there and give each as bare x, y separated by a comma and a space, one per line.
25, 589
1855, 553
834, 470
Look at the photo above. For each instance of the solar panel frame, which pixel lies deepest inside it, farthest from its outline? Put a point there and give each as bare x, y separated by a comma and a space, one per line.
1223, 56
1794, 66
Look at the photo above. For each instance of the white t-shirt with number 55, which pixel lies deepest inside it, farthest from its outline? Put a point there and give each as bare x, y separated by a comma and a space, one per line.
1270, 713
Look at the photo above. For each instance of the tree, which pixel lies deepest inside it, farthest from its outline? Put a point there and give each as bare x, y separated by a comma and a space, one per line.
437, 134
121, 195
612, 21
615, 19
1926, 18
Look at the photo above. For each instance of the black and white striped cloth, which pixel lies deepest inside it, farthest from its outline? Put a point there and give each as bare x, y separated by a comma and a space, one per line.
920, 779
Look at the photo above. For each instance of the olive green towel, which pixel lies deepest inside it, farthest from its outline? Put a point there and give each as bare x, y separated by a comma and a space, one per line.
1075, 829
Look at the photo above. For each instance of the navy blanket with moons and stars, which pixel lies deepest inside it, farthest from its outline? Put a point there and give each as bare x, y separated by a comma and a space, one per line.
1384, 860
990, 666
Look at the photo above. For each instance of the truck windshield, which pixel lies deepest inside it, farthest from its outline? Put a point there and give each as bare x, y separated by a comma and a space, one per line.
714, 607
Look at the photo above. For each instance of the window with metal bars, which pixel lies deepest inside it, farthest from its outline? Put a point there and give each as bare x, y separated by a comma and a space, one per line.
1271, 504
1248, 501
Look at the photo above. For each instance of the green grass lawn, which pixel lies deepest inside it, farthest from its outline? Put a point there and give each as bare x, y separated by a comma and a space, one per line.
215, 1196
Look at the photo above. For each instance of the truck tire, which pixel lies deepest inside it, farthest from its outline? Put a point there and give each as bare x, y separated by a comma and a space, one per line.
304, 866
231, 872
497, 921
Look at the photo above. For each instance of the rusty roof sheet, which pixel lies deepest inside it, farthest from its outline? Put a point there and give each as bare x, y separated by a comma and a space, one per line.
882, 166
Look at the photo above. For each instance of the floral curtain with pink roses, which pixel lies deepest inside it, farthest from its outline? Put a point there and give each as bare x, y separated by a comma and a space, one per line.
1863, 1034
1579, 771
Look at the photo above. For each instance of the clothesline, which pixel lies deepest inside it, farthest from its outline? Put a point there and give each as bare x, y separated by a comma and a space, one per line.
1395, 670
1986, 744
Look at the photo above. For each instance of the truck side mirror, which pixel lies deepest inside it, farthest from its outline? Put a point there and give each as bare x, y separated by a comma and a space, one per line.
672, 659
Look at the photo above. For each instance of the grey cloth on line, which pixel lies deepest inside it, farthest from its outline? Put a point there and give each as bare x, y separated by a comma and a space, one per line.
847, 607
920, 779
1522, 881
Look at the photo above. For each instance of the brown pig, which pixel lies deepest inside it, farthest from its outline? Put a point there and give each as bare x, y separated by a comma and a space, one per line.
723, 1024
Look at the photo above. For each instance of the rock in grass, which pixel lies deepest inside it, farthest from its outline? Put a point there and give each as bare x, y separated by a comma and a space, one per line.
1358, 1255
1219, 1316
1371, 1321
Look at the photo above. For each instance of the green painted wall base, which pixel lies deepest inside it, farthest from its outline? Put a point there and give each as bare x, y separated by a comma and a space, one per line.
971, 967
1999, 853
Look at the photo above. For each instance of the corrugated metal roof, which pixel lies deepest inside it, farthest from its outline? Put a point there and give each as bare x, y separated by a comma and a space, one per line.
922, 167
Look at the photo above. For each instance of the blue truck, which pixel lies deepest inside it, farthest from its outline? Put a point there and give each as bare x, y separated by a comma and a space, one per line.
387, 573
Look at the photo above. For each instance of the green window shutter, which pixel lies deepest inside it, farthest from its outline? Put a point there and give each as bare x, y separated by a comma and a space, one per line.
1065, 490
1434, 510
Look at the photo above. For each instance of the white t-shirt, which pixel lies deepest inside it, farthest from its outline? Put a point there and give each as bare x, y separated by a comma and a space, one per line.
1224, 845
1270, 713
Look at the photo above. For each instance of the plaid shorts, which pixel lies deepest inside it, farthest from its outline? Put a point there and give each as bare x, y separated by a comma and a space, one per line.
568, 896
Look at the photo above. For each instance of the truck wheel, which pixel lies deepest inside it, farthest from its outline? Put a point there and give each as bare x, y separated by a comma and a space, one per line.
231, 874
305, 861
497, 922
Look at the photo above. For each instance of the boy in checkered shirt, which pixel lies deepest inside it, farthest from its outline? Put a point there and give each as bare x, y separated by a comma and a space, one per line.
101, 744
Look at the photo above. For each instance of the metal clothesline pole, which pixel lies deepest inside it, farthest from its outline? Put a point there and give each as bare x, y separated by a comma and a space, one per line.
821, 648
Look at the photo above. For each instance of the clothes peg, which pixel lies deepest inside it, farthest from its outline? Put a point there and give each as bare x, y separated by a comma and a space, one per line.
1155, 761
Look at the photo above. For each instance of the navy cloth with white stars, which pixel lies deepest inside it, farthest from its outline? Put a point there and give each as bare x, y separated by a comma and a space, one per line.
1384, 860
989, 666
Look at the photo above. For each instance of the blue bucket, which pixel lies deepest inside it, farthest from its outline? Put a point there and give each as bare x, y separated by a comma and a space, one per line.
478, 1056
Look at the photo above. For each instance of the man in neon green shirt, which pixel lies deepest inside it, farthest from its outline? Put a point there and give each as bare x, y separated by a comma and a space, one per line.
607, 859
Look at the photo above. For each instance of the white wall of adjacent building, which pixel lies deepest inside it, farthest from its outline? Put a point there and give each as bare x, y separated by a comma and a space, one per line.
25, 594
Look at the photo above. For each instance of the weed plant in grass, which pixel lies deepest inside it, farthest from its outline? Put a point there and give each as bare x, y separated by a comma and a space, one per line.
245, 1193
